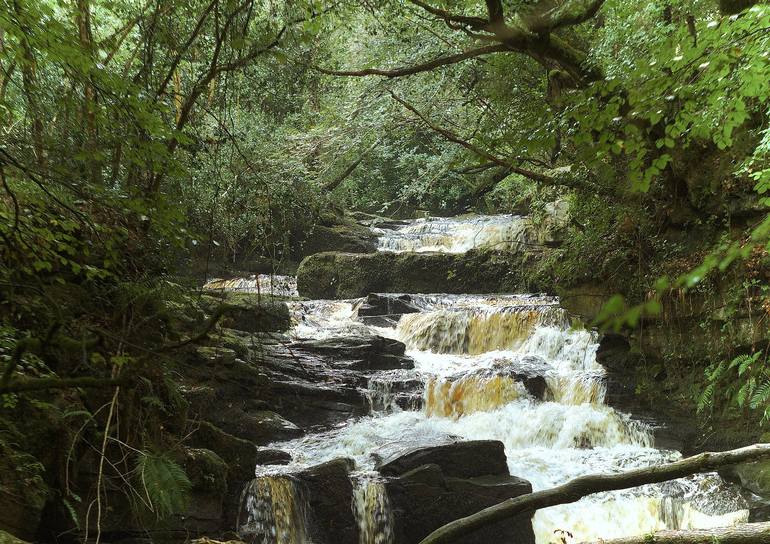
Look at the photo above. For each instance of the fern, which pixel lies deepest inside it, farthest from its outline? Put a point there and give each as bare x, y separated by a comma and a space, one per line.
706, 399
164, 483
761, 396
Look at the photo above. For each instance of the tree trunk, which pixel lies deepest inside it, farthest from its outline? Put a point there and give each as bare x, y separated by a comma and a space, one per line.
83, 19
578, 488
749, 533
29, 85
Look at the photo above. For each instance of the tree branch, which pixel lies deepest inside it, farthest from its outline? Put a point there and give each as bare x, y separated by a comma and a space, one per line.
476, 23
747, 533
424, 67
578, 488
544, 20
508, 165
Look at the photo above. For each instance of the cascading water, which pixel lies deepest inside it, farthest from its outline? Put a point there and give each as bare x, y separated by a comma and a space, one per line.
456, 235
473, 354
263, 283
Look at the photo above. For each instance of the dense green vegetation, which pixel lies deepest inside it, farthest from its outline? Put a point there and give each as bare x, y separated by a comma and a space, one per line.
144, 142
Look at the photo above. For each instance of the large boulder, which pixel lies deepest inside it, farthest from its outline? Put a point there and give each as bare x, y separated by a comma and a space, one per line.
431, 487
349, 275
460, 459
327, 492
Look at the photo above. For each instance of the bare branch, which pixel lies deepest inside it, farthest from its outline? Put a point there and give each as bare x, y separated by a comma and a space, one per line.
578, 488
424, 67
476, 23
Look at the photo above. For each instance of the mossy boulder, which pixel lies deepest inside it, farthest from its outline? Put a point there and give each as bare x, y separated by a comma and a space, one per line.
350, 275
206, 470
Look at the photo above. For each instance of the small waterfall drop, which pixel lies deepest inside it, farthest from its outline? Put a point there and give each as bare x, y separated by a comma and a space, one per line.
371, 508
274, 511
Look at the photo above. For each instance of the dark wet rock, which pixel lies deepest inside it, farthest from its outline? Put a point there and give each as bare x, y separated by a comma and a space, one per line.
327, 492
673, 427
379, 305
233, 416
348, 275
431, 487
458, 459
270, 456
239, 454
361, 353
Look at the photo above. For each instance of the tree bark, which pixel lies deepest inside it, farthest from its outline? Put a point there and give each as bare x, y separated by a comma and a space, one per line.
578, 488
748, 533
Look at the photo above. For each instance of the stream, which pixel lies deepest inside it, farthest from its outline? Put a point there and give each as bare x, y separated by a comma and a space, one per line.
470, 352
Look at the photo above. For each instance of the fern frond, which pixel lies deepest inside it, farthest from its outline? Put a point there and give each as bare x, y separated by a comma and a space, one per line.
761, 396
164, 483
706, 398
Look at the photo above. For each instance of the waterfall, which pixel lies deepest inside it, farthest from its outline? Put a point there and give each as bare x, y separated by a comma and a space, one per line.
274, 511
371, 508
512, 368
470, 393
474, 331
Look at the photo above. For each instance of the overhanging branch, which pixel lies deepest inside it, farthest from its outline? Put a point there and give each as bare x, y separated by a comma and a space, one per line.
417, 68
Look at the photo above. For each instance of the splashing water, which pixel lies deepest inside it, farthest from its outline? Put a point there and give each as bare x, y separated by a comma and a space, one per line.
472, 355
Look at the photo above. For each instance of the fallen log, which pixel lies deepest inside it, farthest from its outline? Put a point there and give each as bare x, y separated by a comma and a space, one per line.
578, 488
747, 533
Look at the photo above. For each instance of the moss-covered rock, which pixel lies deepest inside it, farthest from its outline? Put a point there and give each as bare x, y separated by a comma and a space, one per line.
206, 470
349, 275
